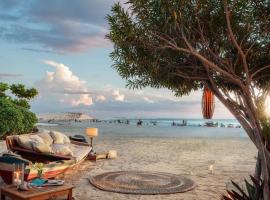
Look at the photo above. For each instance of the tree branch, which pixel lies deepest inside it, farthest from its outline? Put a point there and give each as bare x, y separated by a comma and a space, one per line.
259, 70
233, 39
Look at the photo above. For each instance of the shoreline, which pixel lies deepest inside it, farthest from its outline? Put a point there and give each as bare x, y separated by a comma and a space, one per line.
232, 159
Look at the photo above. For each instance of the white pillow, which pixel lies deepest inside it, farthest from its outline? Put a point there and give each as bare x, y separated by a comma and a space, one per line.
46, 137
59, 138
41, 147
36, 138
61, 149
25, 142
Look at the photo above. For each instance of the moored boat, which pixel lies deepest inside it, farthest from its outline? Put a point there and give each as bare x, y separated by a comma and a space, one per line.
50, 170
53, 164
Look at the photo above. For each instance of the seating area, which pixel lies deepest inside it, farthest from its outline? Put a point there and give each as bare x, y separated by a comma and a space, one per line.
47, 146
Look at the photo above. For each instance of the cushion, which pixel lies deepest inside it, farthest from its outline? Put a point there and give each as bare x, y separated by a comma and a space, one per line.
61, 149
25, 142
46, 137
59, 138
36, 138
66, 139
79, 152
41, 147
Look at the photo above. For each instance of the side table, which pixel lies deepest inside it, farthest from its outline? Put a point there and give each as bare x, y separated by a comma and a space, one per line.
43, 193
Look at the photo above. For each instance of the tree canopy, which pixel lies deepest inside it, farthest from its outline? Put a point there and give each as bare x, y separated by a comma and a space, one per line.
154, 42
15, 115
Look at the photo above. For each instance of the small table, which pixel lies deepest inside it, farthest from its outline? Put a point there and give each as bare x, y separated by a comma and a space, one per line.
43, 193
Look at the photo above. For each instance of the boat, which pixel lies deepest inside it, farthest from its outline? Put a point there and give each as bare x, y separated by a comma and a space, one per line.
230, 126
51, 170
210, 124
53, 164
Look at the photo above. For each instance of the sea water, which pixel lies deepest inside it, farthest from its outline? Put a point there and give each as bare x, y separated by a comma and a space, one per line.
161, 128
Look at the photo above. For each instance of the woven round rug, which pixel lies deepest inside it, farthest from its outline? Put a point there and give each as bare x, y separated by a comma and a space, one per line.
141, 182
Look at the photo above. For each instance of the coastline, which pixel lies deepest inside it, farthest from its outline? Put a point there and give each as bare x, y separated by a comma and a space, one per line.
158, 148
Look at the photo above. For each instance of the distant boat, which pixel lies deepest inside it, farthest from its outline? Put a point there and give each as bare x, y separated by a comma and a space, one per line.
210, 124
153, 122
230, 126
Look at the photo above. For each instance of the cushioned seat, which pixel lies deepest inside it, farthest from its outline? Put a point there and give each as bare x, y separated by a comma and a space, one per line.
47, 146
79, 152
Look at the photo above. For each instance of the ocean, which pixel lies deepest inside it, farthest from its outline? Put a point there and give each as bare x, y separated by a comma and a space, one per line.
152, 128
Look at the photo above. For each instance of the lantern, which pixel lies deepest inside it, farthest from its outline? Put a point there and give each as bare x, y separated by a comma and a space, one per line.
208, 104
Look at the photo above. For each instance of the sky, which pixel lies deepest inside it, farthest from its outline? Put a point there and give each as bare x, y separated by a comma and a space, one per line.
59, 47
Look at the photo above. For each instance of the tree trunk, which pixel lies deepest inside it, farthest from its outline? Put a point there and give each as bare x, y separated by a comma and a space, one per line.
258, 169
255, 134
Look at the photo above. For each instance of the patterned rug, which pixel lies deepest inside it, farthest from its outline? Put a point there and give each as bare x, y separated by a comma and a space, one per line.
140, 182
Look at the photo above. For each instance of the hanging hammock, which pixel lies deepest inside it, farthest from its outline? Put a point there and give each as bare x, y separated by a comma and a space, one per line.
208, 103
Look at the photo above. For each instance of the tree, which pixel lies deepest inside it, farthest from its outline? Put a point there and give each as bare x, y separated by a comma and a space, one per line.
187, 45
23, 94
3, 88
15, 116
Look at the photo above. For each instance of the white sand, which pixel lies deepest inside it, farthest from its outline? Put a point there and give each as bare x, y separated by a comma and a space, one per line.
233, 160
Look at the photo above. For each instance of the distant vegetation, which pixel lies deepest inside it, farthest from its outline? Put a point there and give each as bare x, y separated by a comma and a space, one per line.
15, 116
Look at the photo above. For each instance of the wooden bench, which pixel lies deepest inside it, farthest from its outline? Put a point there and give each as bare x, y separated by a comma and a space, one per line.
43, 193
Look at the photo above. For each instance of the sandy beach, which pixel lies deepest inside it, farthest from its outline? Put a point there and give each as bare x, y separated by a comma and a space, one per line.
233, 159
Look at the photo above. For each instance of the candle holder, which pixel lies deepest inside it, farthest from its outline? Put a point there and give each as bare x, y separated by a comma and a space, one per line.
18, 174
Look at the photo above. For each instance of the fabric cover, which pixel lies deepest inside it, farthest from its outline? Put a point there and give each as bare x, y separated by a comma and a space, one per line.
41, 143
66, 139
79, 152
61, 149
46, 137
36, 138
41, 147
25, 142
59, 138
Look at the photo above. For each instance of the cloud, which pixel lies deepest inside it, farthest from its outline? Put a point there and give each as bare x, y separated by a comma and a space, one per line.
148, 100
64, 86
9, 75
74, 92
100, 98
118, 96
61, 90
40, 50
57, 26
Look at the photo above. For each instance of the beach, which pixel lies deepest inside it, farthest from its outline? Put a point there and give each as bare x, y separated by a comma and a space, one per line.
187, 151
179, 150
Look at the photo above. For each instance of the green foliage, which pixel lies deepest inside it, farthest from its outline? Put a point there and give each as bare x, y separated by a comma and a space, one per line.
21, 92
29, 120
22, 103
3, 88
15, 116
142, 57
11, 118
253, 191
